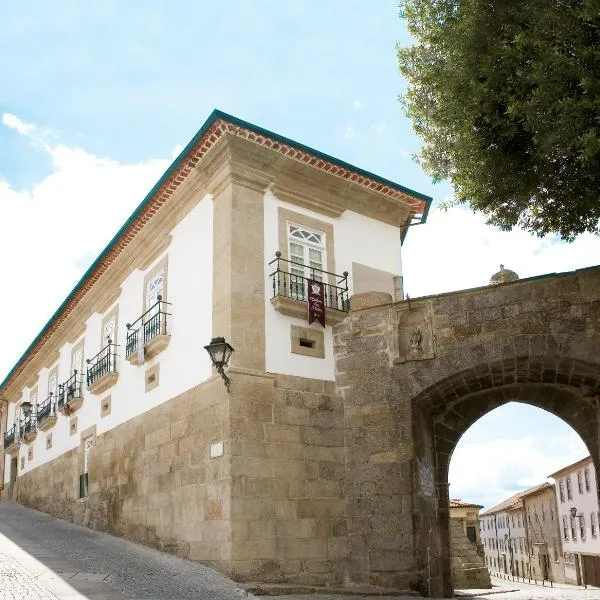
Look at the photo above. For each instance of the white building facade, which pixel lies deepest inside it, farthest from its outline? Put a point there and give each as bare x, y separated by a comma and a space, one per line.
115, 417
577, 501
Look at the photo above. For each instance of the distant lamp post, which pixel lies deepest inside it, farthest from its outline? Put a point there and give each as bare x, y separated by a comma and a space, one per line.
26, 408
573, 512
220, 353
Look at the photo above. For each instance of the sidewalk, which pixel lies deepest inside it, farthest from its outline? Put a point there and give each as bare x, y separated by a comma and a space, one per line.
519, 581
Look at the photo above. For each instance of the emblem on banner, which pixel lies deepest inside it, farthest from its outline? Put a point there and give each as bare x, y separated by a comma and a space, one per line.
316, 302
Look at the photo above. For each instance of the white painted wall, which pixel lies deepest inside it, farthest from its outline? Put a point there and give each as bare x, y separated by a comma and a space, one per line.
586, 503
356, 239
183, 364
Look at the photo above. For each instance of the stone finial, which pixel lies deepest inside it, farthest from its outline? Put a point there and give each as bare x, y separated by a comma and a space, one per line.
503, 276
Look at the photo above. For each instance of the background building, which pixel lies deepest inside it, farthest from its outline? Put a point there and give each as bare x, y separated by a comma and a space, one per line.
542, 534
466, 550
577, 501
504, 533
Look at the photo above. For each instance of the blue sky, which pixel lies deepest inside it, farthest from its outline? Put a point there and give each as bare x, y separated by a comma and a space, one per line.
97, 98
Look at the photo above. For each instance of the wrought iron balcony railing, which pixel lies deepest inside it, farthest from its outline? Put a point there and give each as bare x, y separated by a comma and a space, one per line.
295, 286
150, 325
28, 425
104, 362
69, 390
10, 437
46, 409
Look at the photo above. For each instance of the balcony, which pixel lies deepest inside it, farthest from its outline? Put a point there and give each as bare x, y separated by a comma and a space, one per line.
12, 442
148, 336
28, 431
46, 413
70, 395
102, 369
290, 290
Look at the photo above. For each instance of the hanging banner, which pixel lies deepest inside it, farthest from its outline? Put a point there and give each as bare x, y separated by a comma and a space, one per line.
316, 302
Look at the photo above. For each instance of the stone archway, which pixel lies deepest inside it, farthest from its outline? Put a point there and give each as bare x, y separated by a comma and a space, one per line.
566, 388
415, 375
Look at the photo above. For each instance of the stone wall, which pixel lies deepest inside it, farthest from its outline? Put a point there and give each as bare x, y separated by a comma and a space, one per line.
150, 479
270, 509
468, 569
415, 375
288, 521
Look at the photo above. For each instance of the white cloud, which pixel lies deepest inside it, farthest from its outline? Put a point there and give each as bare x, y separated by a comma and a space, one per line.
54, 230
357, 104
456, 250
13, 122
489, 472
381, 129
350, 132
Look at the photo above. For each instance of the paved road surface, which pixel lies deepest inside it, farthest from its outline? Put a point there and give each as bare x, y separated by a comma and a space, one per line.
45, 558
42, 558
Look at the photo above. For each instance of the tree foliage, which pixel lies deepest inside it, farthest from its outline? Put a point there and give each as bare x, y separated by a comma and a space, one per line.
505, 95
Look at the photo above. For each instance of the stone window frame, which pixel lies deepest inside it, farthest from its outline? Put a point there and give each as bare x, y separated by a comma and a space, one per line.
286, 216
161, 266
113, 313
84, 435
317, 336
153, 373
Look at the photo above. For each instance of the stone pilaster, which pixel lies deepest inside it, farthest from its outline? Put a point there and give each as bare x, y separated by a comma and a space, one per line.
238, 275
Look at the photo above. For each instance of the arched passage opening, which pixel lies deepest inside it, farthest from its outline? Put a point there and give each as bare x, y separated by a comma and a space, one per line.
567, 388
502, 465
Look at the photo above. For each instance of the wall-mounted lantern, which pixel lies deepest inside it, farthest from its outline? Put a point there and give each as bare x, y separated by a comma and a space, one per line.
220, 353
573, 511
26, 408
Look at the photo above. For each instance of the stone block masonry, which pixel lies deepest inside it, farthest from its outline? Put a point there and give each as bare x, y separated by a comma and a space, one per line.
269, 509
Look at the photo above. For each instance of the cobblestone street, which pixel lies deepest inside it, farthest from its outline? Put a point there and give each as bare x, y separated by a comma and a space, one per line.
42, 558
45, 558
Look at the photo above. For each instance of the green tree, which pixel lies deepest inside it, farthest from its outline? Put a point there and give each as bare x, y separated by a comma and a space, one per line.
505, 95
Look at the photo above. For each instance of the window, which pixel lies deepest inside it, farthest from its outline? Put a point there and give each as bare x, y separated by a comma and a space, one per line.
581, 527
573, 530
556, 552
521, 544
586, 476
561, 489
565, 528
307, 251
52, 381
593, 523
543, 513
155, 285
569, 489
77, 358
88, 444
580, 482
551, 511
519, 520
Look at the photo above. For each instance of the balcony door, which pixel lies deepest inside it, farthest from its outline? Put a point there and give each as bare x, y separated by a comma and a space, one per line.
154, 289
307, 255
